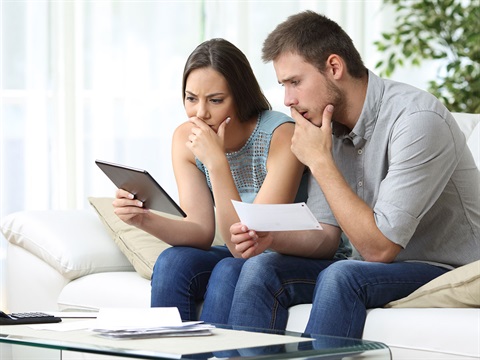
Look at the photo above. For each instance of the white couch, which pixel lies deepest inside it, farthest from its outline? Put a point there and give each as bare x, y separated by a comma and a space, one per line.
66, 260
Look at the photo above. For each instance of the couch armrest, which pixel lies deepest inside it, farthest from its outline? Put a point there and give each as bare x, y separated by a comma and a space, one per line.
73, 242
31, 284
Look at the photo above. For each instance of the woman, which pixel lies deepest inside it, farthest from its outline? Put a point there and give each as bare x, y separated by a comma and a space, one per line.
232, 147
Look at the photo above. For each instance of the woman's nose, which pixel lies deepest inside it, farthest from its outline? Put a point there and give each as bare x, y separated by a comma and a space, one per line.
202, 111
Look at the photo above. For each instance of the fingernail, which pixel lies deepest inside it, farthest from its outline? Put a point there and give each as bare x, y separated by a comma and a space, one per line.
227, 120
330, 108
139, 203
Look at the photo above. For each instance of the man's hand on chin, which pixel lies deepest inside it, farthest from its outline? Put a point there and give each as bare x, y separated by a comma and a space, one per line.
311, 142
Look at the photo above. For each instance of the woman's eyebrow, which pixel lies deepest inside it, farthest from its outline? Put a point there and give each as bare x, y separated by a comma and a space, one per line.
216, 94
208, 95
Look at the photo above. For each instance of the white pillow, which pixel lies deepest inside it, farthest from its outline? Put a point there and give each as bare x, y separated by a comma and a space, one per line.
73, 242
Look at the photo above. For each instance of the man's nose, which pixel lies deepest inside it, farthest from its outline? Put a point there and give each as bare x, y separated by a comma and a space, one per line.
289, 98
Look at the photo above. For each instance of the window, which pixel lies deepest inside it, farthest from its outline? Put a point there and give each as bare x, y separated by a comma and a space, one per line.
83, 80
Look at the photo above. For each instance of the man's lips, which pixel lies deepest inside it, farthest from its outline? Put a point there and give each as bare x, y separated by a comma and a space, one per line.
302, 112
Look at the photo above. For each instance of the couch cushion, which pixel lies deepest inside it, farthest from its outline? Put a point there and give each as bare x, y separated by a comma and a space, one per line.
470, 126
105, 290
440, 333
64, 239
426, 330
140, 248
457, 288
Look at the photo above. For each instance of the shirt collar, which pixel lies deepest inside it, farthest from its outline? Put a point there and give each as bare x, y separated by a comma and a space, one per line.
363, 130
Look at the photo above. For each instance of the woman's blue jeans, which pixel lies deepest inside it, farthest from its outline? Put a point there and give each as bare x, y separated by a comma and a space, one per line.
180, 277
259, 291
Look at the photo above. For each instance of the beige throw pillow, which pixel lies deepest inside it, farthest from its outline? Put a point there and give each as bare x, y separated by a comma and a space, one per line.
458, 288
140, 248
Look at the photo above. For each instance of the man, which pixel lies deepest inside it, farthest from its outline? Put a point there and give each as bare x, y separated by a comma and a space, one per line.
396, 177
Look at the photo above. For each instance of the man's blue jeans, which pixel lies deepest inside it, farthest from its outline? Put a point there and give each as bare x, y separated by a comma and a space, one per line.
346, 289
259, 291
180, 277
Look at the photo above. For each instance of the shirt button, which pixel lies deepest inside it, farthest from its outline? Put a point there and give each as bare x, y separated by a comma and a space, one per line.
360, 151
360, 183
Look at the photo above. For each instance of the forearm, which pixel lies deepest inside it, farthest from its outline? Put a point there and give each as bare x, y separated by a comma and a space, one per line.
354, 216
224, 190
179, 232
316, 244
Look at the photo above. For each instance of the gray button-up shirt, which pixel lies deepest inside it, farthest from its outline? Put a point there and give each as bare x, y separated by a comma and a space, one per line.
407, 158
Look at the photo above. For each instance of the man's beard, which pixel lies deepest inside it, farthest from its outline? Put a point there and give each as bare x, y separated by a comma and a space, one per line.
336, 97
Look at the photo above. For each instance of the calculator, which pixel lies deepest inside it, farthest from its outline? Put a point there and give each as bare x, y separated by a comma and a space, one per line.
27, 318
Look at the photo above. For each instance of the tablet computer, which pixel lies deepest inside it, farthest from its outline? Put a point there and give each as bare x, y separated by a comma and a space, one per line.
141, 184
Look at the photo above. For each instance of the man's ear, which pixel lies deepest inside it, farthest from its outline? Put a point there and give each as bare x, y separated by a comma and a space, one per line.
336, 66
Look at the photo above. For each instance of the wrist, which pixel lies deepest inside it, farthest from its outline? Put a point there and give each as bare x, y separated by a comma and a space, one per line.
323, 166
217, 163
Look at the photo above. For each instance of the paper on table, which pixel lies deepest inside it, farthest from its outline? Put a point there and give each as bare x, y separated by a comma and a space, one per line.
194, 328
131, 323
276, 217
137, 318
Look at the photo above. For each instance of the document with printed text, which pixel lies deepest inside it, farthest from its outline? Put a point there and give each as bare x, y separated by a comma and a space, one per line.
276, 217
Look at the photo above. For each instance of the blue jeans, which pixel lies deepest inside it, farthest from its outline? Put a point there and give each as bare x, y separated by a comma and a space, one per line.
180, 277
258, 292
220, 290
346, 289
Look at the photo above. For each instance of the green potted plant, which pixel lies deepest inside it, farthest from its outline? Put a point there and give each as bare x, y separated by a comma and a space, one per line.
446, 30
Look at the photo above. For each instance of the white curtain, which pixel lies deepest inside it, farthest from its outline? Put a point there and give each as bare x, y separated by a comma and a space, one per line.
86, 80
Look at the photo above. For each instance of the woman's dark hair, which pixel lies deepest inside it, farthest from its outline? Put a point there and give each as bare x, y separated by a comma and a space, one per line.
314, 37
225, 58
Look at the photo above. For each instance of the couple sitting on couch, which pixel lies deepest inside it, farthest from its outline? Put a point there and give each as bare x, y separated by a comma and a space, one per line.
389, 167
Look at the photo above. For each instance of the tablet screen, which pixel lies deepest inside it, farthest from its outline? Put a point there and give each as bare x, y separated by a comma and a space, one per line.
141, 184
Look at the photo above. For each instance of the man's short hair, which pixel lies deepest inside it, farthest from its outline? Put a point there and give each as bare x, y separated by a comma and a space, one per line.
314, 37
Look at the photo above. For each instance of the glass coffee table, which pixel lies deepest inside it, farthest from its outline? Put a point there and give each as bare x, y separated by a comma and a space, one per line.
224, 343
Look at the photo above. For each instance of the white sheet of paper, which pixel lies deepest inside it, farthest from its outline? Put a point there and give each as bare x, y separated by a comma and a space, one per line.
276, 217
134, 318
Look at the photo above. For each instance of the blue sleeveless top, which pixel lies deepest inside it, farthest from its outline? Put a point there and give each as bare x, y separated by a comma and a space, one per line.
249, 164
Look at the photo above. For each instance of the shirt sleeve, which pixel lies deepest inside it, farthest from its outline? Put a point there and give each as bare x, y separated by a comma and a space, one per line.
422, 156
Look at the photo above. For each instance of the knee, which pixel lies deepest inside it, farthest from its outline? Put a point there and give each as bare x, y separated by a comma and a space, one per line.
259, 270
228, 268
174, 261
340, 272
167, 258
162, 266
